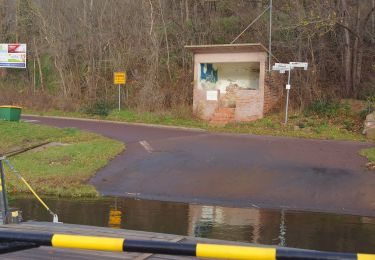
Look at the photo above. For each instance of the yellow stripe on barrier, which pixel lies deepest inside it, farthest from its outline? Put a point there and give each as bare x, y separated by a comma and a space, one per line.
365, 257
235, 252
88, 242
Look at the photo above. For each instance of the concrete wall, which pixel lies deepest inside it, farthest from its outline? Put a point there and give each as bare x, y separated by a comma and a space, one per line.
248, 97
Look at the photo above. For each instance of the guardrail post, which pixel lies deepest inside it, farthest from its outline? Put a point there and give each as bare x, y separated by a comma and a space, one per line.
3, 195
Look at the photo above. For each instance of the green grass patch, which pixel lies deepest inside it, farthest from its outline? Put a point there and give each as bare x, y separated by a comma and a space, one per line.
17, 135
59, 170
369, 153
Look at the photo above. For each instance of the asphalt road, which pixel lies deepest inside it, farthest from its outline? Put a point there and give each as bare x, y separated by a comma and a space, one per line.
233, 170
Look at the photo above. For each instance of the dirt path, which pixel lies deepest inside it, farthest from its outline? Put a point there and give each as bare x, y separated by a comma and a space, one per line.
234, 170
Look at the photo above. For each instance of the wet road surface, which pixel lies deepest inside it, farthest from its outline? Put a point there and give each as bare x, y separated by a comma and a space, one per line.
235, 170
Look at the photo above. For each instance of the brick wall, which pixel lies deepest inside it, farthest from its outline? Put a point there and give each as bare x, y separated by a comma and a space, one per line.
273, 89
248, 105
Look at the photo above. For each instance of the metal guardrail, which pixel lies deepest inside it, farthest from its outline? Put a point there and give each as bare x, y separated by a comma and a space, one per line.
171, 248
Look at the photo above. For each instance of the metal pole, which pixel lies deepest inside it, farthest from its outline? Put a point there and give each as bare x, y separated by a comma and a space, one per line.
270, 39
3, 191
119, 97
287, 99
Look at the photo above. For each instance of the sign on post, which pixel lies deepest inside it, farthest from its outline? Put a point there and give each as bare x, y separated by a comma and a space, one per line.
119, 78
298, 65
282, 68
13, 55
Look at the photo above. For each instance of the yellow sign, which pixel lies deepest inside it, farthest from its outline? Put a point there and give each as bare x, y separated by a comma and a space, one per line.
119, 78
114, 218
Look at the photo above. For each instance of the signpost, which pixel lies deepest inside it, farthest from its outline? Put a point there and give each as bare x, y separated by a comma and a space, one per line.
282, 68
119, 78
13, 55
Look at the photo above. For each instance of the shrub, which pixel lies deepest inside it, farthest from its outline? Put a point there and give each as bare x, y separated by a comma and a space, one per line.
321, 127
348, 125
369, 108
326, 108
100, 108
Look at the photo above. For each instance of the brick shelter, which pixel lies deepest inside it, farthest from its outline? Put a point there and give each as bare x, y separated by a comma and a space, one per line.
231, 82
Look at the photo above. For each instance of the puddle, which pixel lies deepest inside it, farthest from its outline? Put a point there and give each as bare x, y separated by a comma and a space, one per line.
319, 231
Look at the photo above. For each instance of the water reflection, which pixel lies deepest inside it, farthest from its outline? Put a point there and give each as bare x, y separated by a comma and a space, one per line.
288, 228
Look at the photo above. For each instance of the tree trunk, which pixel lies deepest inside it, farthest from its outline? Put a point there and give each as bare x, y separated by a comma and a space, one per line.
355, 53
166, 40
187, 16
347, 50
39, 65
34, 74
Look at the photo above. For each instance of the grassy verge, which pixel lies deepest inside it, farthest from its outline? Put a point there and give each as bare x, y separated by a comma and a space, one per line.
336, 125
298, 126
171, 118
60, 170
370, 154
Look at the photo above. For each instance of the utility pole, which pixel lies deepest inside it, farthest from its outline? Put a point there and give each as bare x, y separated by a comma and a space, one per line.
373, 21
270, 39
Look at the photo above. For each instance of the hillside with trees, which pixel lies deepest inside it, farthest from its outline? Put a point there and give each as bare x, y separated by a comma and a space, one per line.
74, 46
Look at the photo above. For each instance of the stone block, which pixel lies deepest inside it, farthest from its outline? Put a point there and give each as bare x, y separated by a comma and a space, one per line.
370, 133
370, 117
369, 126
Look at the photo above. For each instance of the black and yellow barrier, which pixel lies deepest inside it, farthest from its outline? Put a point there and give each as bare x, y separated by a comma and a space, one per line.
171, 248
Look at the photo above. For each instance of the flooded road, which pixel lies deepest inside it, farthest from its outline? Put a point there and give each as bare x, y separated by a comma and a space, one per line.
320, 231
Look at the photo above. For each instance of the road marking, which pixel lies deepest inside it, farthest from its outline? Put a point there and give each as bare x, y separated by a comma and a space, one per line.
147, 146
30, 121
132, 194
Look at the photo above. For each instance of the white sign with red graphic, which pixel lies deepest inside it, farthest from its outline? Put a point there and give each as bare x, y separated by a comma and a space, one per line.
12, 55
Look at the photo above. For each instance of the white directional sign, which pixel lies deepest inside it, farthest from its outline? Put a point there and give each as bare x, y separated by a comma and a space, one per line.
298, 65
282, 67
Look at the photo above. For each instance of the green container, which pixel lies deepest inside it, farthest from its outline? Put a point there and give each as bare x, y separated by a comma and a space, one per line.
10, 113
